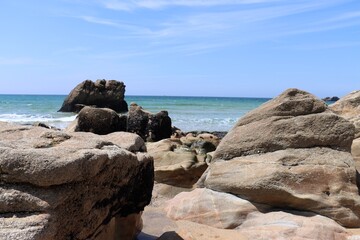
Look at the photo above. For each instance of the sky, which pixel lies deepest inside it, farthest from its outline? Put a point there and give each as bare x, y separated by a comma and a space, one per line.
234, 48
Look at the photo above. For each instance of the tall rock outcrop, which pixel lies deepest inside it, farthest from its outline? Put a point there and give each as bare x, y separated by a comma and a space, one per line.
102, 94
291, 153
349, 108
151, 127
57, 185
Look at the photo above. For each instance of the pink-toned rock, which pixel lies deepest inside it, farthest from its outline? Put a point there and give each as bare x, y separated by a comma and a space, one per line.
291, 152
56, 185
216, 209
282, 225
174, 164
349, 108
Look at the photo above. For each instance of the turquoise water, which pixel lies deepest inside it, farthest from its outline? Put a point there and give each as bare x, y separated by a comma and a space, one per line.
187, 113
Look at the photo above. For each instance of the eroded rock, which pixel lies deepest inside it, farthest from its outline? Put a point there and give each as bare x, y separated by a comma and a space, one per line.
70, 185
101, 94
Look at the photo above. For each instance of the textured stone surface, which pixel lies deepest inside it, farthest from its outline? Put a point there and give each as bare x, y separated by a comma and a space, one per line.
294, 225
294, 119
291, 152
355, 151
349, 108
175, 165
129, 141
321, 180
215, 209
102, 94
70, 185
151, 127
99, 121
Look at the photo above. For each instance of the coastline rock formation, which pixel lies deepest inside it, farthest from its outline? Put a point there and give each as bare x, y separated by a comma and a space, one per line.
349, 108
57, 185
331, 99
101, 94
151, 127
290, 153
99, 121
180, 161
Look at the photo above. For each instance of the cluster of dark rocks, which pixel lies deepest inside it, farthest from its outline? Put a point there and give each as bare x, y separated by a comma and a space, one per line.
102, 110
331, 99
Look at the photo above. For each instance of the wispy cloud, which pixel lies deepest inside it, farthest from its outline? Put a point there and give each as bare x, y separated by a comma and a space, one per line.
205, 28
160, 4
96, 20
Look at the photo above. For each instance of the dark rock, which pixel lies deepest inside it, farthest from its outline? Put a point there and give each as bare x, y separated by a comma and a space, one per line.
151, 127
99, 121
138, 120
331, 99
102, 94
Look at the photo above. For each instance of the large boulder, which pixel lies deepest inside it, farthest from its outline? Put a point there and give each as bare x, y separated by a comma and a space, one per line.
291, 152
291, 225
151, 127
174, 164
102, 93
57, 185
349, 108
99, 121
216, 209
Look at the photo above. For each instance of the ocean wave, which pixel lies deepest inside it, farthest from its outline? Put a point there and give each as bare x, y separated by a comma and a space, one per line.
56, 121
204, 124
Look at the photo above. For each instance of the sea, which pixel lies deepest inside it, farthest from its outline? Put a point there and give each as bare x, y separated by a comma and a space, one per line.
187, 113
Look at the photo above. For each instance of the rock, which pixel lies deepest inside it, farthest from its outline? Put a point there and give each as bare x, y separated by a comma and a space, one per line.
274, 225
215, 209
57, 185
320, 180
175, 165
355, 151
291, 152
295, 119
99, 121
331, 99
129, 141
292, 225
349, 108
202, 143
151, 127
102, 94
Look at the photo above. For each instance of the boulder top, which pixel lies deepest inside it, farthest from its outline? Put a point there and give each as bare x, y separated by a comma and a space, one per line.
101, 93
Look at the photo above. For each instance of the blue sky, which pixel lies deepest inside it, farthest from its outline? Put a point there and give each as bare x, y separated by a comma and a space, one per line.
241, 48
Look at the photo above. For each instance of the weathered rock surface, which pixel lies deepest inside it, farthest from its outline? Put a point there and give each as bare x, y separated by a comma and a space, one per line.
202, 143
355, 151
291, 152
331, 99
99, 121
293, 225
57, 185
129, 141
349, 108
174, 164
151, 127
215, 209
321, 180
102, 94
274, 225
295, 119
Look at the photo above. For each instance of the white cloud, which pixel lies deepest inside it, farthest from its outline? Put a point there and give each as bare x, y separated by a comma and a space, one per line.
160, 4
101, 21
